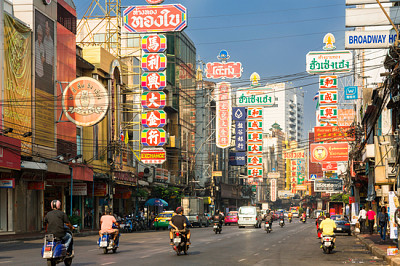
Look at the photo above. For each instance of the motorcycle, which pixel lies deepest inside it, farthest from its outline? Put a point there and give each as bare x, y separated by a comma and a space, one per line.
106, 242
281, 222
327, 244
290, 219
303, 219
319, 232
217, 228
267, 227
180, 242
55, 252
128, 224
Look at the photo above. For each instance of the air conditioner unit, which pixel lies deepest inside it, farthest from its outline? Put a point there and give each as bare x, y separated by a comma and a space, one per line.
390, 168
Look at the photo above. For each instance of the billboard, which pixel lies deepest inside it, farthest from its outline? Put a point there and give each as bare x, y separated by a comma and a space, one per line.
329, 152
224, 115
331, 134
329, 61
328, 185
17, 81
259, 96
224, 70
328, 97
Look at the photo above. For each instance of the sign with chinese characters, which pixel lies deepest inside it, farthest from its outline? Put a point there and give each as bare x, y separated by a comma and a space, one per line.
237, 158
153, 99
331, 134
153, 137
161, 18
154, 62
254, 172
254, 148
292, 154
155, 118
154, 81
224, 115
154, 43
329, 152
328, 185
328, 82
274, 189
328, 112
85, 101
329, 166
329, 61
240, 136
328, 97
254, 136
254, 113
351, 93
254, 139
224, 70
153, 156
239, 113
255, 97
254, 160
255, 124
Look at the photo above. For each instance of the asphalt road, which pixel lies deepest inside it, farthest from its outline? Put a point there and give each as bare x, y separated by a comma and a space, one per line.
294, 244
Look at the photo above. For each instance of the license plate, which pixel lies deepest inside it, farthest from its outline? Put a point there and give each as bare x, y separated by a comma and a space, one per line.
177, 240
327, 244
339, 229
247, 219
215, 226
103, 244
47, 254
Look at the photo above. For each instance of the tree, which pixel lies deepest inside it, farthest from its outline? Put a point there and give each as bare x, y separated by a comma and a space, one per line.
341, 197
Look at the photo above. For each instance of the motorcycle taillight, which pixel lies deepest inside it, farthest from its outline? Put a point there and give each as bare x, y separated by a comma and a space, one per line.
177, 234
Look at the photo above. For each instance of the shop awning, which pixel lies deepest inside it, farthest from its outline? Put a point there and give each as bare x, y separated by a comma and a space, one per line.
82, 172
33, 165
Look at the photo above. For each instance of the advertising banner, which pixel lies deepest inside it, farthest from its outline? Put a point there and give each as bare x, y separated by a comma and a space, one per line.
329, 167
153, 156
330, 152
345, 117
392, 208
285, 194
237, 158
239, 113
328, 185
274, 188
254, 172
328, 112
329, 61
17, 81
328, 97
7, 183
224, 70
224, 115
333, 134
240, 136
10, 153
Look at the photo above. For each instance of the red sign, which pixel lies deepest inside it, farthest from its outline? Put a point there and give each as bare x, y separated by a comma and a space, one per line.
330, 152
154, 62
153, 156
154, 2
224, 115
10, 153
160, 18
33, 185
154, 43
154, 81
100, 189
153, 100
224, 70
156, 118
329, 167
331, 134
85, 101
153, 137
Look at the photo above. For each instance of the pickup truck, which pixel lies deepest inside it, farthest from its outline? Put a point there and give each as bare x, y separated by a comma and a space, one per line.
193, 209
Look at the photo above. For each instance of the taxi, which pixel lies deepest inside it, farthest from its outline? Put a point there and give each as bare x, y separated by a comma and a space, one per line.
231, 218
162, 220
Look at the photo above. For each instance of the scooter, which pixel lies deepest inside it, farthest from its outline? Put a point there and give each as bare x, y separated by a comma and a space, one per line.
267, 227
106, 242
180, 242
55, 252
281, 222
303, 220
217, 228
290, 219
327, 244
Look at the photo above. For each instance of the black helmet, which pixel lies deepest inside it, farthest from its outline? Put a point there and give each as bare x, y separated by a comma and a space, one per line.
179, 210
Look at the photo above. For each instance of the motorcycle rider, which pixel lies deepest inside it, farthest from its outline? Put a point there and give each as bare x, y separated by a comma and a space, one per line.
328, 226
106, 223
218, 218
269, 219
319, 220
55, 221
290, 216
304, 217
179, 222
281, 217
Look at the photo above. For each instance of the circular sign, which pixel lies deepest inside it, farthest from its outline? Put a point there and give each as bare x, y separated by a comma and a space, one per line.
47, 2
320, 153
154, 2
85, 101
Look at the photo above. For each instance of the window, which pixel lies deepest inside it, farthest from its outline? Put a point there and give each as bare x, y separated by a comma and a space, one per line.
132, 40
99, 37
95, 142
78, 141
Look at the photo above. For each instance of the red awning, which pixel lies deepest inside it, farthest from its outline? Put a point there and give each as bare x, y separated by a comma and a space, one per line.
82, 172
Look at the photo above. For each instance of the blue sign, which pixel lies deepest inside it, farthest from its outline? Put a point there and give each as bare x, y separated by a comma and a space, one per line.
350, 93
241, 136
313, 177
223, 55
239, 113
237, 158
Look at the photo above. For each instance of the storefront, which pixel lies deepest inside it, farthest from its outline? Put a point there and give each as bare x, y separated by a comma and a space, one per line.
6, 204
124, 183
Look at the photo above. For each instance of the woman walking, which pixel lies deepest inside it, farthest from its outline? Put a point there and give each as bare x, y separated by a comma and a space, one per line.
383, 219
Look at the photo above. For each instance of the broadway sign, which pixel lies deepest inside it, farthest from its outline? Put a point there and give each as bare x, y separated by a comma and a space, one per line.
329, 152
224, 70
160, 18
328, 185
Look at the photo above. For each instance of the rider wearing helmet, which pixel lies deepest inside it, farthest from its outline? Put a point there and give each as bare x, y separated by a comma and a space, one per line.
218, 217
179, 222
268, 218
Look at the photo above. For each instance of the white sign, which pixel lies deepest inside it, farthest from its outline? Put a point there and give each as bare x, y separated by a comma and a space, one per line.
361, 2
369, 39
79, 189
285, 194
361, 17
273, 189
392, 209
329, 61
255, 97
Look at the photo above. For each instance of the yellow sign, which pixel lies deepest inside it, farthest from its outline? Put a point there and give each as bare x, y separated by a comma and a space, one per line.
217, 173
329, 40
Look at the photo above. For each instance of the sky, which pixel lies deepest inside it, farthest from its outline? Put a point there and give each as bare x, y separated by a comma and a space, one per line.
271, 38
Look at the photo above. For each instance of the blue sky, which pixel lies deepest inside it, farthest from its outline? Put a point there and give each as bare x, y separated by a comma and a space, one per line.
268, 37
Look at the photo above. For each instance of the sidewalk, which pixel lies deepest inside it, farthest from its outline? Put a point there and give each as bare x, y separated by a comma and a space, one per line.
378, 248
39, 235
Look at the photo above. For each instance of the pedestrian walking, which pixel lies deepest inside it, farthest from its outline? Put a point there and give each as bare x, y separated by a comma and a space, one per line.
362, 218
383, 219
371, 220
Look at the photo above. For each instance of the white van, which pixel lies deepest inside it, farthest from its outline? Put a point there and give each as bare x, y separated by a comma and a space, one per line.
249, 216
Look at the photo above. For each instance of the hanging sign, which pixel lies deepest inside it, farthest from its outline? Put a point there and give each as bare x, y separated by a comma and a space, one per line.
239, 113
254, 160
155, 2
153, 156
154, 81
274, 188
224, 70
254, 172
154, 62
254, 112
351, 93
293, 154
328, 185
329, 152
161, 18
154, 43
7, 183
237, 158
329, 61
255, 97
328, 82
153, 99
328, 112
254, 136
328, 97
155, 118
153, 137
332, 134
254, 148
240, 136
224, 115
329, 167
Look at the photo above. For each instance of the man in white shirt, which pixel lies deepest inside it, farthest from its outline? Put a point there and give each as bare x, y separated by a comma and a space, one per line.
49, 45
362, 217
39, 51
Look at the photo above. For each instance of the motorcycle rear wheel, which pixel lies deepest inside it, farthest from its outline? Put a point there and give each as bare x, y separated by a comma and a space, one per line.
51, 262
68, 262
105, 250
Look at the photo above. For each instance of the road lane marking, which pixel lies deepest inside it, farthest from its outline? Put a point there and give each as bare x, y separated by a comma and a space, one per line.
241, 260
273, 245
108, 263
266, 249
145, 257
279, 242
93, 249
7, 261
256, 254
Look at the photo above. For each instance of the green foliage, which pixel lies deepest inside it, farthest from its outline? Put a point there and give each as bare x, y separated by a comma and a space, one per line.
301, 211
341, 197
167, 193
140, 192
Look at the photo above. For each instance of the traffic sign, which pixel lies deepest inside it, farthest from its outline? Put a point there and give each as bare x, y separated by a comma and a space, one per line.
312, 177
154, 118
153, 99
153, 137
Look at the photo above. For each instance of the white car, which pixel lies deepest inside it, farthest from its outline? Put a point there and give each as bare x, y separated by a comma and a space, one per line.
295, 214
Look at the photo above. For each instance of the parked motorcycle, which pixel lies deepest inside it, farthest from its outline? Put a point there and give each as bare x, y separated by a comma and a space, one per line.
217, 228
55, 252
106, 242
267, 227
128, 224
281, 222
180, 242
327, 244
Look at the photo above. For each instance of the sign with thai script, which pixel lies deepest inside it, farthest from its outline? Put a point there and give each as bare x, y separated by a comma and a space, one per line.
328, 97
329, 152
154, 118
153, 156
351, 93
328, 82
240, 136
224, 70
79, 189
329, 167
154, 62
274, 188
153, 99
239, 113
329, 61
345, 117
237, 158
161, 18
154, 81
224, 115
154, 43
7, 183
255, 97
293, 154
328, 112
153, 137
331, 134
328, 185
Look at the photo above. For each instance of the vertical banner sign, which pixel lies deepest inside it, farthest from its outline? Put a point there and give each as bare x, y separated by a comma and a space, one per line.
254, 142
239, 116
273, 191
392, 209
224, 115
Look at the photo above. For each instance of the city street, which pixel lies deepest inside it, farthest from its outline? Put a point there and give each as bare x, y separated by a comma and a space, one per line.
294, 244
